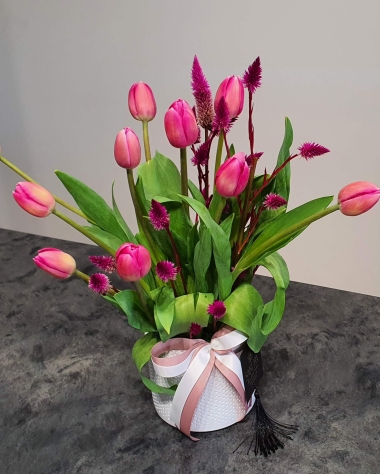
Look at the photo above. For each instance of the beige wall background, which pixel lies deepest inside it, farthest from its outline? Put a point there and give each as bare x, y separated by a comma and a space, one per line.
66, 67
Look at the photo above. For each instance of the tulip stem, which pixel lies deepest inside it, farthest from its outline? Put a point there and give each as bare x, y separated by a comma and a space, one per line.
140, 217
148, 156
184, 178
219, 150
142, 297
83, 231
56, 198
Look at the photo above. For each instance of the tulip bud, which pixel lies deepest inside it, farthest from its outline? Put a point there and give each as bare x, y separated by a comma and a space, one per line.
132, 262
127, 149
233, 92
55, 262
232, 176
141, 102
34, 199
357, 198
181, 125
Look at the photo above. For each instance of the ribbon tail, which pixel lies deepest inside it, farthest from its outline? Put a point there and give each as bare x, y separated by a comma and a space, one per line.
235, 379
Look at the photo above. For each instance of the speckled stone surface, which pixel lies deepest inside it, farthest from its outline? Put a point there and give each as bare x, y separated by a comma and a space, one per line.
71, 400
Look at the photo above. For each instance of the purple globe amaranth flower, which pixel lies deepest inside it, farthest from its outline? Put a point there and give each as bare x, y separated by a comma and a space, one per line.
99, 283
222, 120
232, 176
127, 149
310, 150
252, 76
166, 271
141, 102
34, 199
357, 198
195, 329
274, 201
233, 92
202, 95
180, 124
159, 216
133, 262
55, 262
104, 262
217, 309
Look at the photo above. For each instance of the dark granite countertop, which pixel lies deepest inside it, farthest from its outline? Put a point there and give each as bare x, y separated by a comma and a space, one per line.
71, 400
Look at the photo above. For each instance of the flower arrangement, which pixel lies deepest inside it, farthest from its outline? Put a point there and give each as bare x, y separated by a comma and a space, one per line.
198, 245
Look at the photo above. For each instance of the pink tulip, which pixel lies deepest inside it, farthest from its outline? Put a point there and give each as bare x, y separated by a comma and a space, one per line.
127, 149
357, 198
132, 261
55, 262
232, 90
141, 102
34, 199
232, 176
181, 125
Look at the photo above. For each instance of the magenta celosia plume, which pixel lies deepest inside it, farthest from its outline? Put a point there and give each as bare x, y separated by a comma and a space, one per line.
141, 102
132, 261
159, 216
202, 154
217, 309
233, 92
180, 124
202, 95
99, 283
274, 201
222, 120
55, 262
252, 76
232, 176
166, 271
357, 198
34, 199
104, 262
310, 150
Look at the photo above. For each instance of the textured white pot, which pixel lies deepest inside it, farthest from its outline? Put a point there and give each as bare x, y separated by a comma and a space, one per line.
219, 405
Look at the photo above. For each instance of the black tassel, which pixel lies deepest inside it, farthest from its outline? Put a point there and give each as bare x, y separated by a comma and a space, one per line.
267, 431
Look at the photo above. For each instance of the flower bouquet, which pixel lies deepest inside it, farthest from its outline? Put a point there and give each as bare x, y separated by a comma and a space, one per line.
196, 252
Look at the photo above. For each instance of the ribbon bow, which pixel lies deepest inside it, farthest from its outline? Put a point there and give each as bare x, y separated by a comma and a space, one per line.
196, 363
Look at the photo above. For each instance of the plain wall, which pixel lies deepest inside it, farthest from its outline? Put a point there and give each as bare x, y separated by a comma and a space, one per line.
66, 68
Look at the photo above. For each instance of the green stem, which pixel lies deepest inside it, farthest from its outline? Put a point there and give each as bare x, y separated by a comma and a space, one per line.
248, 260
83, 231
31, 180
148, 156
184, 178
219, 151
140, 217
142, 297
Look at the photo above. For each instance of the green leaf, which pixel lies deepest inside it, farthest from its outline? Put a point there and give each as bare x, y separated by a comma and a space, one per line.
164, 308
202, 258
274, 310
257, 338
196, 193
216, 206
120, 220
108, 239
141, 354
281, 231
129, 303
220, 244
241, 307
191, 242
93, 205
282, 180
226, 225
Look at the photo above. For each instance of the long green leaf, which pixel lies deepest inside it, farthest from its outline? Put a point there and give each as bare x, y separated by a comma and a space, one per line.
220, 244
284, 229
93, 205
108, 239
282, 180
120, 220
164, 308
129, 303
202, 258
195, 192
257, 338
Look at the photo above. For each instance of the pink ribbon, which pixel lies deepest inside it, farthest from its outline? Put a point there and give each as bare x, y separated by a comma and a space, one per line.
196, 363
